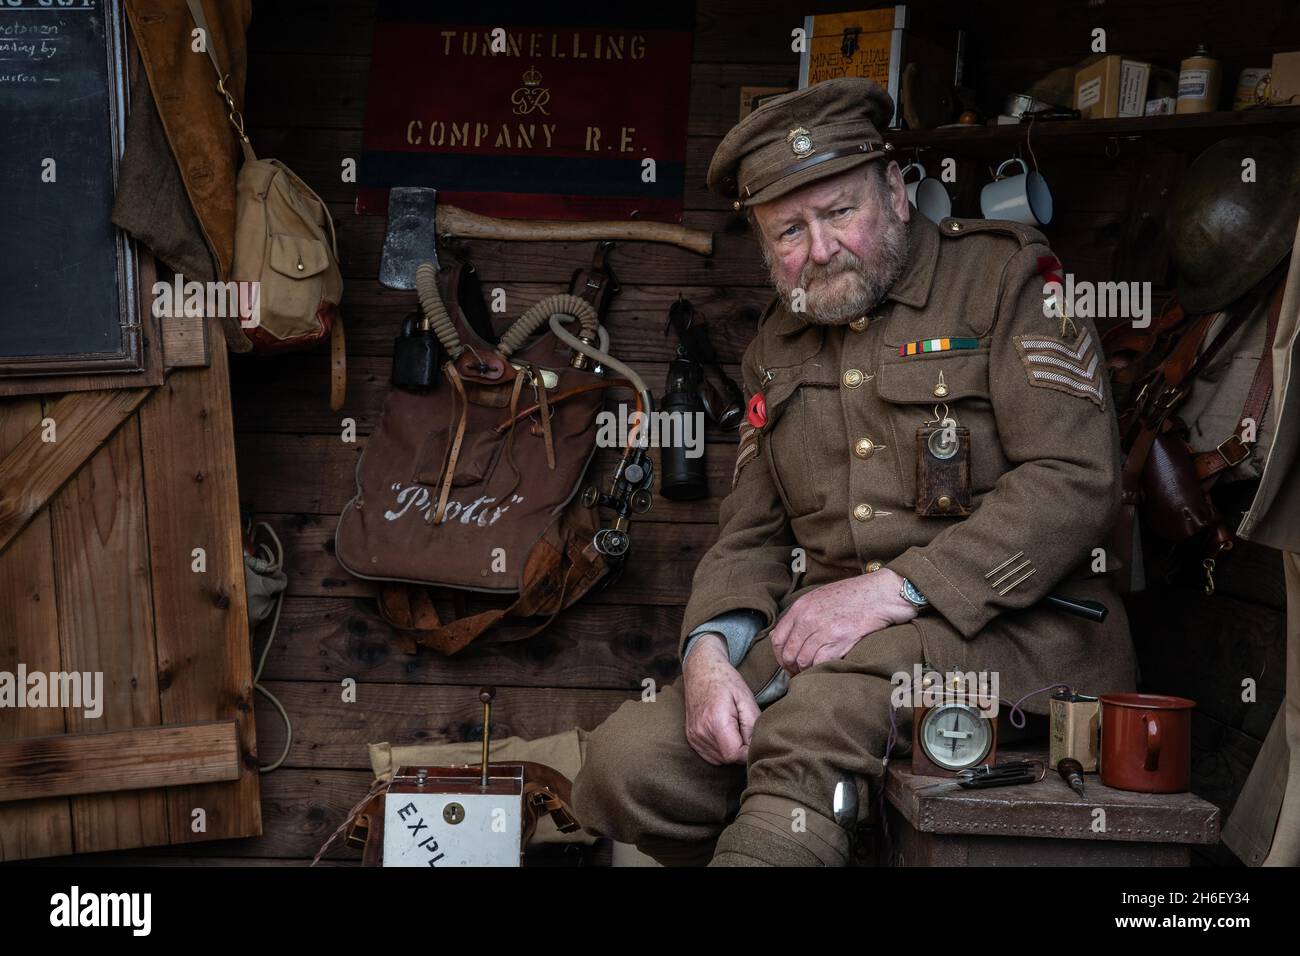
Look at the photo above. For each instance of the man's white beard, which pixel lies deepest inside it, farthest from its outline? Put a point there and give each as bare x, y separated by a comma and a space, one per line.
847, 286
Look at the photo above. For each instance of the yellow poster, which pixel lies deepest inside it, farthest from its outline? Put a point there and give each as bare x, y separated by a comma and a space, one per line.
865, 43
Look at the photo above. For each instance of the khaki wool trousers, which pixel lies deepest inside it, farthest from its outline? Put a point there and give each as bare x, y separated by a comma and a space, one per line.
642, 783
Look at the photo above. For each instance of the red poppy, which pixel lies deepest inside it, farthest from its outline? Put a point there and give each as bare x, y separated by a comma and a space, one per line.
1047, 268
757, 415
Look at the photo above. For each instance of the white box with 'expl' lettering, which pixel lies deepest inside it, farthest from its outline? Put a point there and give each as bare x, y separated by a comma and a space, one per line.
444, 816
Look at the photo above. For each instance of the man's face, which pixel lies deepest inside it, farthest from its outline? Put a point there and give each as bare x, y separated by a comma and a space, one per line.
842, 240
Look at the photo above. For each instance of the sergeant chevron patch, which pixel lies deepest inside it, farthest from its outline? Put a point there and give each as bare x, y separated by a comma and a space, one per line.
747, 451
1074, 369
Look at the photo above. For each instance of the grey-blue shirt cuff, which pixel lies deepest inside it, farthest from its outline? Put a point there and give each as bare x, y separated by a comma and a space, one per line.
738, 628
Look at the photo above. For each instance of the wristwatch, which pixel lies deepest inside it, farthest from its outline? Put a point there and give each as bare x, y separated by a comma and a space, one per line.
912, 596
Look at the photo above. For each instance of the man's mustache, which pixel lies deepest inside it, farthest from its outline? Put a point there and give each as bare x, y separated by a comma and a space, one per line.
844, 262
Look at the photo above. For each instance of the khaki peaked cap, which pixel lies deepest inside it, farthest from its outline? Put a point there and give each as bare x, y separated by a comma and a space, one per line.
800, 137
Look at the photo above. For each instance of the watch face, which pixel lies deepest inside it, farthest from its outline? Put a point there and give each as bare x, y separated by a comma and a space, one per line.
912, 594
955, 736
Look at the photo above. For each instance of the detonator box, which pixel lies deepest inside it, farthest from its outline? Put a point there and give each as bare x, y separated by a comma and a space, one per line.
447, 816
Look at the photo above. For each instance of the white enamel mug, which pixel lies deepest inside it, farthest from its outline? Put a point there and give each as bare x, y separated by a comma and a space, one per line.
1023, 197
927, 195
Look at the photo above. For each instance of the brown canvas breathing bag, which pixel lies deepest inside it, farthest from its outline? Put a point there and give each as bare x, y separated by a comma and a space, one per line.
473, 484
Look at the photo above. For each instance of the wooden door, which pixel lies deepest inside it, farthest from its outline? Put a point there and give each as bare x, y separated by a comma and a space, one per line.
106, 498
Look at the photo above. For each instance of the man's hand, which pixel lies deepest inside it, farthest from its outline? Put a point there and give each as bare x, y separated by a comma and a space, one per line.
720, 709
827, 623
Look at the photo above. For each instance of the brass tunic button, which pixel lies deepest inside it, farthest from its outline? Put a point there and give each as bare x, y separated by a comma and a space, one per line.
863, 512
873, 566
954, 226
941, 390
852, 378
944, 502
860, 324
864, 448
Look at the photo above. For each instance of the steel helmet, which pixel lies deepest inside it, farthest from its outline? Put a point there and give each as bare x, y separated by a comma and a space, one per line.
1226, 235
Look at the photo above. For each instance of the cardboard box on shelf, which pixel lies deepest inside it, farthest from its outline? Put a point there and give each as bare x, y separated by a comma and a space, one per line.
1113, 86
1284, 86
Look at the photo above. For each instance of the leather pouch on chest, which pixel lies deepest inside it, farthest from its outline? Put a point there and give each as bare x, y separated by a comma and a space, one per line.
943, 471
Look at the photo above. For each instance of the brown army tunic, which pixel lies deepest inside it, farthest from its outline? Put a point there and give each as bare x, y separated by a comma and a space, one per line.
832, 471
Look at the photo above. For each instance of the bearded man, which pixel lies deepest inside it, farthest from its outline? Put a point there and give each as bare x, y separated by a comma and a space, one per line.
855, 543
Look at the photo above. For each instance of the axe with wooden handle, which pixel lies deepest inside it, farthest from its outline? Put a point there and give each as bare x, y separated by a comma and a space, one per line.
415, 220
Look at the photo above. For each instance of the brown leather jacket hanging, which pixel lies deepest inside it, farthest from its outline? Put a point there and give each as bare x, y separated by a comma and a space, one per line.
204, 144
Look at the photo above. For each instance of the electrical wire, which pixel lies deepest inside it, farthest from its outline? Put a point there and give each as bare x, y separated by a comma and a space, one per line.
272, 558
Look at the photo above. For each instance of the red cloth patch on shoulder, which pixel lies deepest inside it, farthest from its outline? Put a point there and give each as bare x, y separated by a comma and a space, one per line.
1048, 267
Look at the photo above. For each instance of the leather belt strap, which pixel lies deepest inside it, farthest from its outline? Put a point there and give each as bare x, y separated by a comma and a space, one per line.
553, 580
871, 149
1129, 351
543, 406
338, 364
510, 440
546, 790
1141, 435
1235, 449
597, 283
561, 396
407, 607
453, 453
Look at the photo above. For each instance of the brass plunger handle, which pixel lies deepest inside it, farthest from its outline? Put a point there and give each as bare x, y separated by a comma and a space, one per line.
485, 695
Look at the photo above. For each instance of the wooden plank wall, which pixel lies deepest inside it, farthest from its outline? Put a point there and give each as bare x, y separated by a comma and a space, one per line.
307, 84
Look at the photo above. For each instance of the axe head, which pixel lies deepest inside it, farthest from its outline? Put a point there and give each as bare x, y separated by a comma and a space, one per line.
412, 235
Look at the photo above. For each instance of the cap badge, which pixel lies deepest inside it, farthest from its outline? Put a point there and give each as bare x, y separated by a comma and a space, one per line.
800, 141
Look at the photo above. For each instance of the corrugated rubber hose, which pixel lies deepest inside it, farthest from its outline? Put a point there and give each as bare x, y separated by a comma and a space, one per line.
426, 287
562, 302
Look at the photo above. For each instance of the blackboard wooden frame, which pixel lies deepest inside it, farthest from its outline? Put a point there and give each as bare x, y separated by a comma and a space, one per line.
138, 361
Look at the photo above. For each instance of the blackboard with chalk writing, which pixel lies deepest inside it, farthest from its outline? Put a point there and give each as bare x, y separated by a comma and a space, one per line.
68, 297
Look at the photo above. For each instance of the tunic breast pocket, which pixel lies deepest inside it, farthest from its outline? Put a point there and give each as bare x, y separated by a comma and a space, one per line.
795, 437
914, 387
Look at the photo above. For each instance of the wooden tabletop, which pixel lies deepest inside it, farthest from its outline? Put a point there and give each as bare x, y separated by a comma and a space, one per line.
1049, 808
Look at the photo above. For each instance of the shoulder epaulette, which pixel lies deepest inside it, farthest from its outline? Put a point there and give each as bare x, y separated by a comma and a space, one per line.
1025, 235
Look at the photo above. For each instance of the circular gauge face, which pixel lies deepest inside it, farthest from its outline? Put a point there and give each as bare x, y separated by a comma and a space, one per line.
955, 736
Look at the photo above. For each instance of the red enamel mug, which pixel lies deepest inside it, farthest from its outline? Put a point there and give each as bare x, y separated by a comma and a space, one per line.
1146, 742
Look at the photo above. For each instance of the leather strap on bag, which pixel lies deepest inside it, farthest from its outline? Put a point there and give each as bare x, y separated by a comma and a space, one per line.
1148, 417
232, 111
597, 283
1235, 449
1130, 352
1166, 389
546, 790
453, 451
338, 364
554, 577
561, 396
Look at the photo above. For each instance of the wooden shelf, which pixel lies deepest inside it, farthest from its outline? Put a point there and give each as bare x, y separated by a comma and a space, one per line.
1101, 131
